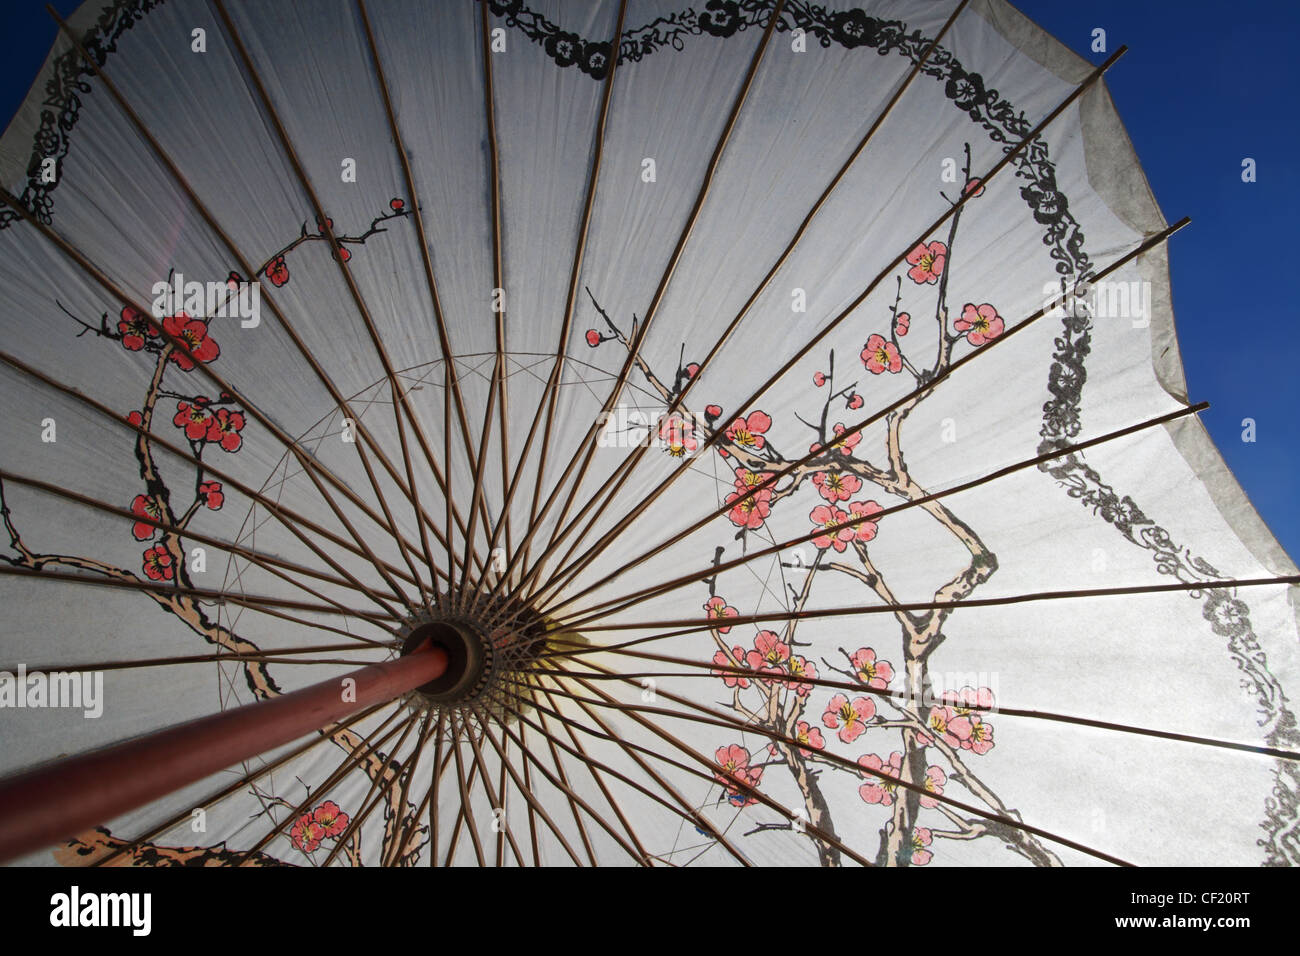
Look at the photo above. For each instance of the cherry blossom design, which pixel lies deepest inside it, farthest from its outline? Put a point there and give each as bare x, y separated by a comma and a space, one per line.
854, 401
921, 838
834, 486
330, 818
737, 659
964, 721
871, 671
593, 338
802, 667
877, 789
902, 322
980, 323
719, 609
212, 495
135, 418
826, 517
810, 736
734, 761
397, 205
746, 479
278, 271
224, 429
134, 329
712, 411
965, 730
145, 507
678, 435
769, 654
969, 700
195, 417
199, 347
973, 188
306, 833
880, 355
848, 717
864, 530
934, 780
927, 261
748, 432
749, 510
819, 379
158, 563
844, 445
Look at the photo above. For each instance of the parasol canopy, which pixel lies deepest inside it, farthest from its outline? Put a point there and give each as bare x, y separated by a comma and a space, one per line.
770, 414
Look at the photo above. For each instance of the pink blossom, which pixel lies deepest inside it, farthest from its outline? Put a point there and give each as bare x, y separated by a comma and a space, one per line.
212, 495
872, 672
965, 725
746, 479
802, 667
748, 432
826, 517
843, 445
902, 322
330, 818
678, 434
834, 486
878, 789
306, 833
819, 379
927, 261
848, 717
749, 510
865, 530
934, 780
880, 355
809, 736
734, 761
770, 653
719, 609
920, 840
736, 660
981, 324
968, 699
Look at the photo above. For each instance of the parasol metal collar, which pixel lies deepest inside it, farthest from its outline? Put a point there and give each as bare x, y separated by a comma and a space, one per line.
468, 659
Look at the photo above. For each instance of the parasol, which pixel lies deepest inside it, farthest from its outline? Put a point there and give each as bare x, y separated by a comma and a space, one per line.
538, 433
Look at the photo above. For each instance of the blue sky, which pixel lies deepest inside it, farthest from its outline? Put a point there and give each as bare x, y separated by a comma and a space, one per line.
1202, 87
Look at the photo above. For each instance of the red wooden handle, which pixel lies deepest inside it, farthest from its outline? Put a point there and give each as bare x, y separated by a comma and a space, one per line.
56, 801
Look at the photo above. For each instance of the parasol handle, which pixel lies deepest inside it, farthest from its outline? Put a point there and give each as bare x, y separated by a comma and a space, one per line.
56, 801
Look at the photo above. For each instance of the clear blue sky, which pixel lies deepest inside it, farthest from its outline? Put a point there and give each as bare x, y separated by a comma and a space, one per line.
1203, 86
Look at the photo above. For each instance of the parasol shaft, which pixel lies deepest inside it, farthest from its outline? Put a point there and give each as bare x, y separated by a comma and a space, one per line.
54, 802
